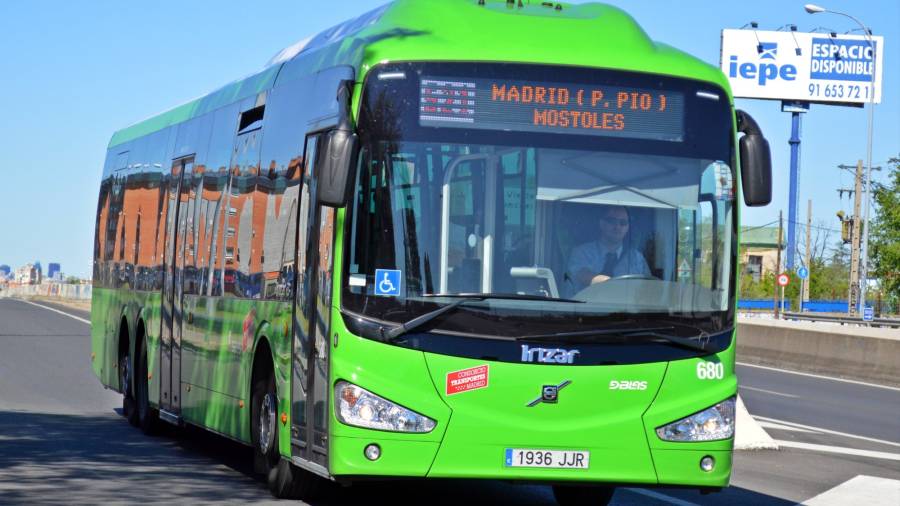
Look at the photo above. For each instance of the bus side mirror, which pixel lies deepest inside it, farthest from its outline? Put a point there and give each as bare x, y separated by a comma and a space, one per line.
337, 155
756, 162
335, 167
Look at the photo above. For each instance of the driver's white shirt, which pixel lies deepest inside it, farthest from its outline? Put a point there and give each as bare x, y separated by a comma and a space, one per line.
592, 256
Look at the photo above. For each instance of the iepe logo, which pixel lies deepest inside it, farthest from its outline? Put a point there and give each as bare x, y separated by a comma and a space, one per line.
762, 72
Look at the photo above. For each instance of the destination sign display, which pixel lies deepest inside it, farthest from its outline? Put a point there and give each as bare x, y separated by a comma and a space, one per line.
523, 106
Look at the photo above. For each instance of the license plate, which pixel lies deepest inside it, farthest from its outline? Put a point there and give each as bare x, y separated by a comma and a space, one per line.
559, 459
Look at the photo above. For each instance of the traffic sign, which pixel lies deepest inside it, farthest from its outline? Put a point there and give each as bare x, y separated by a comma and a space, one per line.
802, 272
868, 313
783, 280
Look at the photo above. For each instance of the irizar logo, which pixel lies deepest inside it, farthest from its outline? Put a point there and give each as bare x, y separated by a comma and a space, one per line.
548, 355
762, 72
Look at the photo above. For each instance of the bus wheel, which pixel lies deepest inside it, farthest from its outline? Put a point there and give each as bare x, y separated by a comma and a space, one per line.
129, 410
264, 423
285, 480
571, 495
148, 418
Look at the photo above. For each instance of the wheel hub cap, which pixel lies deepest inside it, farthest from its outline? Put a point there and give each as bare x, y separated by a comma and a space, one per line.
267, 423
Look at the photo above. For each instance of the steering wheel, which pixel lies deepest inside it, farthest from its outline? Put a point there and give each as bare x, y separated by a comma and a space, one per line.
634, 276
598, 291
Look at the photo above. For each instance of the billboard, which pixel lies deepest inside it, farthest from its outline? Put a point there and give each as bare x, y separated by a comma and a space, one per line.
795, 66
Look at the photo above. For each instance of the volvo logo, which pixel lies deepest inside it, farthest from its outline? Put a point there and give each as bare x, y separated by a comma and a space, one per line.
548, 355
549, 394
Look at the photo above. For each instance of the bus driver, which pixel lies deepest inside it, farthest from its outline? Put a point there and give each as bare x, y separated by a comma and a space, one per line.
607, 257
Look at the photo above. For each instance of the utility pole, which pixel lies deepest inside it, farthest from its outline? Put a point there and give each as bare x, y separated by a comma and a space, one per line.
804, 292
858, 271
778, 268
853, 302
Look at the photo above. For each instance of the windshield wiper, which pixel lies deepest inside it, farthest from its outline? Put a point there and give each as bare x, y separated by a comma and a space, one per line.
590, 333
403, 328
501, 296
694, 343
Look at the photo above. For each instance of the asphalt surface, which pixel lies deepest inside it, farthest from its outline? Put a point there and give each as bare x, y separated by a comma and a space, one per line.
834, 405
62, 440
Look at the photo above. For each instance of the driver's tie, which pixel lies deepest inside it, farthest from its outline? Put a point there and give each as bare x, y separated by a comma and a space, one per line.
610, 265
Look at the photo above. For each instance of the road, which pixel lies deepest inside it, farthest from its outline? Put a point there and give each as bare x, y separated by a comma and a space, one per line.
62, 440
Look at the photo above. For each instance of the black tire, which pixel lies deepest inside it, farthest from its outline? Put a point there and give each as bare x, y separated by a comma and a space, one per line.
285, 480
571, 495
264, 423
148, 418
126, 373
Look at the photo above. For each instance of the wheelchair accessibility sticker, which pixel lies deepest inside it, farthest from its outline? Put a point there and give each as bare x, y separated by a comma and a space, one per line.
387, 282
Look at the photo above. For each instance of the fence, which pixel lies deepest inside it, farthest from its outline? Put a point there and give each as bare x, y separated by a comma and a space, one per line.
812, 306
62, 291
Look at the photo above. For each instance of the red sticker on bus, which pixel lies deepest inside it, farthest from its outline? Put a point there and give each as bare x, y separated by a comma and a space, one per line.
472, 378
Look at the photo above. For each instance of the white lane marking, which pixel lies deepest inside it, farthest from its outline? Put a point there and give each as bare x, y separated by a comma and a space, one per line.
763, 390
839, 449
771, 425
661, 497
827, 431
82, 320
862, 489
832, 378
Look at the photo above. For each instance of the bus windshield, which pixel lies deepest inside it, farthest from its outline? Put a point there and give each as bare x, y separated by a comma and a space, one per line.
462, 190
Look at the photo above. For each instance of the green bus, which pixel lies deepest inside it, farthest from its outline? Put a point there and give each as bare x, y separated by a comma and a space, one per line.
457, 239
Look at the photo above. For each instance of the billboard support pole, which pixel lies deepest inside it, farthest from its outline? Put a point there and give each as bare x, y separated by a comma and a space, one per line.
796, 109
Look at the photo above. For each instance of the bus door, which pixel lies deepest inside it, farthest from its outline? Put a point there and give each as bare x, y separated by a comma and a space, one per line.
170, 341
468, 224
309, 381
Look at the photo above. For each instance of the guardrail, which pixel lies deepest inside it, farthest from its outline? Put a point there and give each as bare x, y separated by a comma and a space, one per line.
843, 320
849, 351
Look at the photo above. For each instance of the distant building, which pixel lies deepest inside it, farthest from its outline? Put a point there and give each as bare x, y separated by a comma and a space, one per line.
53, 271
759, 251
5, 271
28, 275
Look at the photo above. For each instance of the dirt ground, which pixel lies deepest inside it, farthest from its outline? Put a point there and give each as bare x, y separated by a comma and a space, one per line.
77, 304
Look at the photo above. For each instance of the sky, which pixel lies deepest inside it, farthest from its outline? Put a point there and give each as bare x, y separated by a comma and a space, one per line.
74, 72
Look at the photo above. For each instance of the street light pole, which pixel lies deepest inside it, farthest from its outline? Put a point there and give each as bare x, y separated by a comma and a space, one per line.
864, 270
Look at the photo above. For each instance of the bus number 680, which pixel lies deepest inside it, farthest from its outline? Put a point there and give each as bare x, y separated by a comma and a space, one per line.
710, 370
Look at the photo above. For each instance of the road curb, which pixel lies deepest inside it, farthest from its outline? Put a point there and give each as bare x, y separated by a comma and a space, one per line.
748, 434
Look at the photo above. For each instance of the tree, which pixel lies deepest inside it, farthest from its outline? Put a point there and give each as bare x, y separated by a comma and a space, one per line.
830, 280
884, 236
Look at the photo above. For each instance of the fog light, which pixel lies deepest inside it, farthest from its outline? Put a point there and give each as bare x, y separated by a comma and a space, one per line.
707, 463
373, 451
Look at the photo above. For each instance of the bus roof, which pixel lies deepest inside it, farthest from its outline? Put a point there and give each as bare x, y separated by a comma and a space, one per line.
589, 35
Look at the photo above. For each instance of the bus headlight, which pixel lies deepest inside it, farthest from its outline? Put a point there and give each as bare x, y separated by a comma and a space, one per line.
357, 406
711, 424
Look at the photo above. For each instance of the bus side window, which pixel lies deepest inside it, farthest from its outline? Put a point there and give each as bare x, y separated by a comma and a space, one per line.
279, 189
215, 184
242, 242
